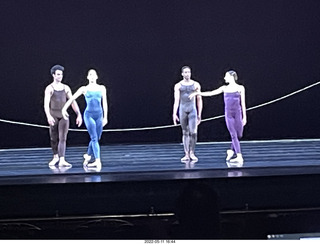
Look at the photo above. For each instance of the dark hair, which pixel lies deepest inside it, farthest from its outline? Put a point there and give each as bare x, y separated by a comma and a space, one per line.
55, 68
233, 73
185, 67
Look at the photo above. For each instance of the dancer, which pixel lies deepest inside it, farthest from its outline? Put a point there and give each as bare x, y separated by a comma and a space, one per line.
95, 115
55, 96
235, 112
189, 112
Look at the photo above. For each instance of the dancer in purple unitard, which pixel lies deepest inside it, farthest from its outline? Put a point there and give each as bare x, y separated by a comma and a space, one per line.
235, 112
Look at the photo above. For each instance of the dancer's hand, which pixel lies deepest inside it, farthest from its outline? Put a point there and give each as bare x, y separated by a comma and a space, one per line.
105, 121
51, 120
244, 121
199, 120
175, 119
79, 120
193, 95
65, 114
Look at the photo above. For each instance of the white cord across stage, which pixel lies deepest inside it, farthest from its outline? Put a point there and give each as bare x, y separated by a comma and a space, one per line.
168, 126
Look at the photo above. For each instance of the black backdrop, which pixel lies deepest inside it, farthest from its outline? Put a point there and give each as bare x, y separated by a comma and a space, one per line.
138, 48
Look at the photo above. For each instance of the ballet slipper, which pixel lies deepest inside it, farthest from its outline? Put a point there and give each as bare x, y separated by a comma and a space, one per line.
54, 161
230, 153
185, 159
87, 159
238, 159
96, 163
193, 158
64, 163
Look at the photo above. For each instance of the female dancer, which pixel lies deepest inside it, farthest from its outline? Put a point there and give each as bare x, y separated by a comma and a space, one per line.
95, 115
235, 112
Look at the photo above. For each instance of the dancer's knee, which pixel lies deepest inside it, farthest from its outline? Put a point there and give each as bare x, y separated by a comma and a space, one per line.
185, 133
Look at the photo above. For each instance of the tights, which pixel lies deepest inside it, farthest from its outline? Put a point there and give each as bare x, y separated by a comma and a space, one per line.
93, 119
188, 118
233, 117
58, 132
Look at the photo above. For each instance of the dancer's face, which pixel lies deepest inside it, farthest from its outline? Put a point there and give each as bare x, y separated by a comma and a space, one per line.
228, 78
186, 73
92, 75
58, 75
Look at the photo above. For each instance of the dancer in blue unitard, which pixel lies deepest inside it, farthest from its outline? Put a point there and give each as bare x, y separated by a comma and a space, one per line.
235, 112
95, 115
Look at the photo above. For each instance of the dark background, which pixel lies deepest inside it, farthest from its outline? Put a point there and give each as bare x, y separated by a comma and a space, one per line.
138, 48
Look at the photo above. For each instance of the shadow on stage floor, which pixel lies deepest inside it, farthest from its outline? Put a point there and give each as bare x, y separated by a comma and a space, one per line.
275, 191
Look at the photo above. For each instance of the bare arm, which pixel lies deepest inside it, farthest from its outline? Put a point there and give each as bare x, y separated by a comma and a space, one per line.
71, 100
208, 93
213, 92
199, 103
243, 105
47, 95
104, 105
175, 117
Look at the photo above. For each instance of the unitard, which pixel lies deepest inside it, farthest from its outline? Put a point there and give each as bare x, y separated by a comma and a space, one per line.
188, 117
58, 132
93, 119
233, 117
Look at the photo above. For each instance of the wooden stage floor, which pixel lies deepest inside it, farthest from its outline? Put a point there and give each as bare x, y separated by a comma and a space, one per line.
137, 162
275, 191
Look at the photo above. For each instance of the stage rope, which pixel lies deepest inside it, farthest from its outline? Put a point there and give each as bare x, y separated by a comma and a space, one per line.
167, 126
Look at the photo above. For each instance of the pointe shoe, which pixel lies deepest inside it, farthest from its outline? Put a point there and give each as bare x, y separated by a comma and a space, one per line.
64, 164
53, 162
230, 153
238, 159
87, 159
193, 158
95, 164
185, 159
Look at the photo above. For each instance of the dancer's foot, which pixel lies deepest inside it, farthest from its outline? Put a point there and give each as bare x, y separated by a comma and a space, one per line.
193, 158
54, 161
238, 159
92, 169
96, 163
230, 153
87, 159
64, 163
186, 158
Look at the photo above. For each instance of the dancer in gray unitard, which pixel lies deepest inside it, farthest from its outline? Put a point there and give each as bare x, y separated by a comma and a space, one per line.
55, 96
235, 112
189, 112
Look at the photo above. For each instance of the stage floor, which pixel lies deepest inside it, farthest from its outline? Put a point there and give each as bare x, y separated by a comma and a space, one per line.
138, 162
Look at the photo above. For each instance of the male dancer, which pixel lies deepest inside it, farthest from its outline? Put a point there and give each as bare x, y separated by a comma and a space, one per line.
189, 112
55, 96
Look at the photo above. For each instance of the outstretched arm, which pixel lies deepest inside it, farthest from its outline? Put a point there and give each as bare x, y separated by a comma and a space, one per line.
47, 96
104, 105
243, 106
72, 99
208, 93
175, 117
